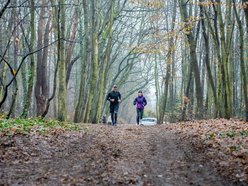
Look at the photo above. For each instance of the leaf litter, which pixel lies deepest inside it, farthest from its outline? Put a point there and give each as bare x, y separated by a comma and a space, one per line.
224, 143
212, 152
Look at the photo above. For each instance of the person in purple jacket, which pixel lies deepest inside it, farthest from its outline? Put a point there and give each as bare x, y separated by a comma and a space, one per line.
140, 103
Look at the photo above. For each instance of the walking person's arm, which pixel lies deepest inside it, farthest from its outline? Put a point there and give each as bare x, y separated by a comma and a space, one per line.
108, 98
144, 101
119, 98
135, 101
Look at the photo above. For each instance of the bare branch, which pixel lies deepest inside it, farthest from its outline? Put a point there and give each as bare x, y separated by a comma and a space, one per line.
4, 8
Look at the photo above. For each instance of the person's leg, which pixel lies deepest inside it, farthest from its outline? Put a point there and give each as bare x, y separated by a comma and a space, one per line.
115, 118
116, 113
112, 119
139, 115
112, 115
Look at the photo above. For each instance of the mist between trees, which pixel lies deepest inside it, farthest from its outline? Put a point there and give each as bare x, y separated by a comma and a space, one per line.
58, 59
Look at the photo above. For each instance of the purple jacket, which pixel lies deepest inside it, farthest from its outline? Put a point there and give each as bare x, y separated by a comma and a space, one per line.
140, 102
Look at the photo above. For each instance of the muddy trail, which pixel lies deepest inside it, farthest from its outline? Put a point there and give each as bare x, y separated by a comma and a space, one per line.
105, 155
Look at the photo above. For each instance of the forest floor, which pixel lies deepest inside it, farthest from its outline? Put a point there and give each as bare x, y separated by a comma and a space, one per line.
211, 152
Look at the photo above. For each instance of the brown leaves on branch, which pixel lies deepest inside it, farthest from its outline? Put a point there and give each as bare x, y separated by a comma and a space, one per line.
149, 4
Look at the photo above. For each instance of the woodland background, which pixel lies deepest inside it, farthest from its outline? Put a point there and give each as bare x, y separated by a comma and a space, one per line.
59, 58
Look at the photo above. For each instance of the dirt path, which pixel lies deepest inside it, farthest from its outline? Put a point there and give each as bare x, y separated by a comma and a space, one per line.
104, 155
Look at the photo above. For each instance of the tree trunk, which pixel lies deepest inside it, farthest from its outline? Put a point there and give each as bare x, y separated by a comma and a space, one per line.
207, 62
62, 116
169, 62
242, 60
157, 86
192, 47
224, 65
40, 98
106, 60
95, 55
12, 109
245, 3
3, 78
84, 52
70, 47
215, 34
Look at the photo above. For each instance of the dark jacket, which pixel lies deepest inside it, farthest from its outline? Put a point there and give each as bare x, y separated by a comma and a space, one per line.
113, 95
140, 102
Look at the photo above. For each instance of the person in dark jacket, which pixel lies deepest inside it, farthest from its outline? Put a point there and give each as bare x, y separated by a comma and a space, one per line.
140, 103
114, 97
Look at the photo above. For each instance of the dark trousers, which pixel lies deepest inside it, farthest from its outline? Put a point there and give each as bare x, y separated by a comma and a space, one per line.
114, 110
140, 113
114, 118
